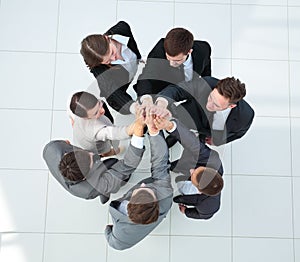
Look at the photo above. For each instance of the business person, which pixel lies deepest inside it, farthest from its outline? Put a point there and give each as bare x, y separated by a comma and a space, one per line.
85, 175
213, 107
145, 205
113, 59
175, 58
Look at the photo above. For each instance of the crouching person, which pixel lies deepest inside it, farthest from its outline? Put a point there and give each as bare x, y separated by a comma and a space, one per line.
85, 175
145, 205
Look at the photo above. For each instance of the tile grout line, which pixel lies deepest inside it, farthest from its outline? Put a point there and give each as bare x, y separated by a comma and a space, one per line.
51, 126
291, 136
231, 149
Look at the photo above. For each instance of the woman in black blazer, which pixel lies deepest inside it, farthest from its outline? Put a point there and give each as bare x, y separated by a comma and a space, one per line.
113, 58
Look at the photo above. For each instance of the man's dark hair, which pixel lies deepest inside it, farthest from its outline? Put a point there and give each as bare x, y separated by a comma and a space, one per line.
81, 102
232, 89
177, 41
75, 165
143, 208
210, 182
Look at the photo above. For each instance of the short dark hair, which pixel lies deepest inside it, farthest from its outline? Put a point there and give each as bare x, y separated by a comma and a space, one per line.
210, 182
231, 88
75, 165
93, 48
143, 208
81, 102
177, 41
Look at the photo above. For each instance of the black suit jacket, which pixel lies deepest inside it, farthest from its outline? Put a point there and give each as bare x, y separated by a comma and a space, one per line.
157, 73
113, 80
193, 112
195, 154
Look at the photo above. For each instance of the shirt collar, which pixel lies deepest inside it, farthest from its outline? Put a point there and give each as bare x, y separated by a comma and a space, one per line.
121, 39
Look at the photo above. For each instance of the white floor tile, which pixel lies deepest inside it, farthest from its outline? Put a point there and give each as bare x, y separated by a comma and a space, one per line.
294, 32
295, 92
29, 25
254, 35
23, 205
217, 34
61, 126
266, 143
78, 20
26, 77
72, 76
262, 206
266, 249
74, 248
296, 200
147, 30
221, 68
205, 1
25, 134
218, 225
69, 214
293, 2
295, 143
297, 249
200, 248
267, 98
261, 2
151, 248
21, 247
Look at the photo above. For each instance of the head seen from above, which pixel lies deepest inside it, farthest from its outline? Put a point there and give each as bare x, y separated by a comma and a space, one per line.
143, 207
207, 180
178, 45
98, 49
75, 165
86, 105
226, 94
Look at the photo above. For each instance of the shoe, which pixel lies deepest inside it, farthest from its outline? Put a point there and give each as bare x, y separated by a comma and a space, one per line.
103, 199
171, 141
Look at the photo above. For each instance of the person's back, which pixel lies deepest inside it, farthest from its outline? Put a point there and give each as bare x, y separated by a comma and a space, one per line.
129, 225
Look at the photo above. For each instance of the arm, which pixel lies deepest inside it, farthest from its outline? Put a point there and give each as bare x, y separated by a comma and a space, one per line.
113, 83
204, 206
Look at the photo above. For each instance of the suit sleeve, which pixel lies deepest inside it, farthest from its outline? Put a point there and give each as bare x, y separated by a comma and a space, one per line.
112, 133
113, 84
151, 72
112, 180
204, 206
159, 158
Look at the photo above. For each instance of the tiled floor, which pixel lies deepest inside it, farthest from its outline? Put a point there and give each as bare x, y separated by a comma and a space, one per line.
257, 41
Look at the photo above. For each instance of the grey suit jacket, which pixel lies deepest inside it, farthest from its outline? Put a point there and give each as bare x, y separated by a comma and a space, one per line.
100, 179
124, 233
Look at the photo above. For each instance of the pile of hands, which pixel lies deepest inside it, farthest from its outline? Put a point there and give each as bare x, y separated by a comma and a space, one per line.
155, 116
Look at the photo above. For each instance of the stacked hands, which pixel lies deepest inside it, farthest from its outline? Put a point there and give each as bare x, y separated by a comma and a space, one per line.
154, 116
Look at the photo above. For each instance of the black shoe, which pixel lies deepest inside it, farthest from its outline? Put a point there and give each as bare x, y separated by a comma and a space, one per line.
103, 199
171, 141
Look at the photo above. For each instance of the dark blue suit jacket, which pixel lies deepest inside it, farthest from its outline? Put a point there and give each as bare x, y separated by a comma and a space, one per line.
195, 154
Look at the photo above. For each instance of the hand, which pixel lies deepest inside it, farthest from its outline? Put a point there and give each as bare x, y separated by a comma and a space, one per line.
182, 208
209, 140
150, 116
146, 101
163, 123
68, 142
162, 112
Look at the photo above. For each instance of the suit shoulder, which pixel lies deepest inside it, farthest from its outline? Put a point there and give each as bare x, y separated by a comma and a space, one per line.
158, 51
200, 45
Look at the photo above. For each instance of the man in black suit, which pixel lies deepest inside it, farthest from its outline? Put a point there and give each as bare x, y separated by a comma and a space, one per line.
213, 107
113, 58
174, 59
202, 182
